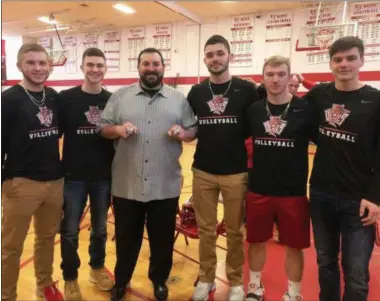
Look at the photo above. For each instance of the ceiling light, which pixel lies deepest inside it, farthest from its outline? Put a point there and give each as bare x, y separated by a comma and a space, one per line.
124, 8
47, 20
31, 31
58, 28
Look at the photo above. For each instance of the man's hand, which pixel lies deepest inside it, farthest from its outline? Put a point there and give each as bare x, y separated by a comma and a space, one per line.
299, 77
248, 79
126, 130
177, 132
373, 212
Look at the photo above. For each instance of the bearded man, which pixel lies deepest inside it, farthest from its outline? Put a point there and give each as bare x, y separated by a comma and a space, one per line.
149, 120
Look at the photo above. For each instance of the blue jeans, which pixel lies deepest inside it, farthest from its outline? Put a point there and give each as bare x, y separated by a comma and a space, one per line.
75, 199
337, 225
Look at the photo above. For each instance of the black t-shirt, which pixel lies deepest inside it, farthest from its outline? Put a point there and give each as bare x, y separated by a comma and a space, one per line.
29, 135
222, 125
262, 91
86, 155
347, 161
280, 159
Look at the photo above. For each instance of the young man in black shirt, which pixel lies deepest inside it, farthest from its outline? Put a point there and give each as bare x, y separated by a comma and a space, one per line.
345, 181
281, 126
33, 176
87, 159
220, 164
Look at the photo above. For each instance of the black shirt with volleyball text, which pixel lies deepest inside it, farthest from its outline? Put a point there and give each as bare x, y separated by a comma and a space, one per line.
86, 154
29, 135
280, 159
222, 125
347, 161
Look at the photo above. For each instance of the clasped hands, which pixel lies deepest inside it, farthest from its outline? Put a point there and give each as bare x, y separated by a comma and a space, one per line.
128, 129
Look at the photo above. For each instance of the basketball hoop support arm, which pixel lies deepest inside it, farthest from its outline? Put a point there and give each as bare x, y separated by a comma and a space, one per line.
344, 13
318, 12
171, 5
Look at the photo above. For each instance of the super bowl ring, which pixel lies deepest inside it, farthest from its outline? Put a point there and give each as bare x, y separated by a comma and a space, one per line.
130, 130
176, 130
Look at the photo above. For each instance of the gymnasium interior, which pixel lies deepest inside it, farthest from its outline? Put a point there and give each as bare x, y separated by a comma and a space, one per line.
300, 30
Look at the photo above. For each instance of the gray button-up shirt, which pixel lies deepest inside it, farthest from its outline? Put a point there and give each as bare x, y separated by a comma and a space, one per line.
146, 165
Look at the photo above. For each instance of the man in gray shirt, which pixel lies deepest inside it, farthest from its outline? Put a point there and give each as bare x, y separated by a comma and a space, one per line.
149, 121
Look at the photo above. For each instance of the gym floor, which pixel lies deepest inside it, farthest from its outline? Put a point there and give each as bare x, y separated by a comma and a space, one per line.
185, 268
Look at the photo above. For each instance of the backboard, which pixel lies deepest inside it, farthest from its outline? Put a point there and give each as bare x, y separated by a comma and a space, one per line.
322, 36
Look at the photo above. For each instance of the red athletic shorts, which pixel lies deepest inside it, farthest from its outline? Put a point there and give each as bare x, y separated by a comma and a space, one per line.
291, 214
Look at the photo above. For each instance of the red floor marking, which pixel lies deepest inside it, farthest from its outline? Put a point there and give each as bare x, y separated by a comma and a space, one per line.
275, 280
26, 262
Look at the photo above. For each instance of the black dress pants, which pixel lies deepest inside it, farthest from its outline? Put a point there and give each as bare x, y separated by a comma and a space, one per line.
130, 217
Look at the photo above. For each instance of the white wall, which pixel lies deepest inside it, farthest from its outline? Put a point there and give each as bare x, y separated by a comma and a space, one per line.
12, 45
187, 51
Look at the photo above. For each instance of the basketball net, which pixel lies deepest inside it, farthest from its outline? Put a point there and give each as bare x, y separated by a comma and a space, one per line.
325, 38
58, 57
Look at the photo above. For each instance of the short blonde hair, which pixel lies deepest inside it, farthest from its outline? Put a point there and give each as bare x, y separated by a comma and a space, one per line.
31, 47
277, 60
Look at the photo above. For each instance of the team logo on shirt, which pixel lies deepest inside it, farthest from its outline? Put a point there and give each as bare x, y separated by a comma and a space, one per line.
45, 116
274, 126
218, 104
336, 115
93, 115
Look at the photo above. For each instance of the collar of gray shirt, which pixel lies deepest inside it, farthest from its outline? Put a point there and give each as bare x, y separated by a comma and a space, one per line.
163, 91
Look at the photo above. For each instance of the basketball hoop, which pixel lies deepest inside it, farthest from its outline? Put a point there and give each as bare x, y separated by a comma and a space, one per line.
58, 57
321, 37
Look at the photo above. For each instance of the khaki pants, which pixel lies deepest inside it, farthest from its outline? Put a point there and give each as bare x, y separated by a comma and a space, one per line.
23, 198
206, 188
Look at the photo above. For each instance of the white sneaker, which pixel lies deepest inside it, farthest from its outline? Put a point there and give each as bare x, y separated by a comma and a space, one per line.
287, 297
101, 279
72, 291
255, 293
236, 293
202, 290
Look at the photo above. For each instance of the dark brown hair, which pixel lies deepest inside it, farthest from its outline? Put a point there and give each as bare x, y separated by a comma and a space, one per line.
218, 39
150, 50
346, 43
92, 51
